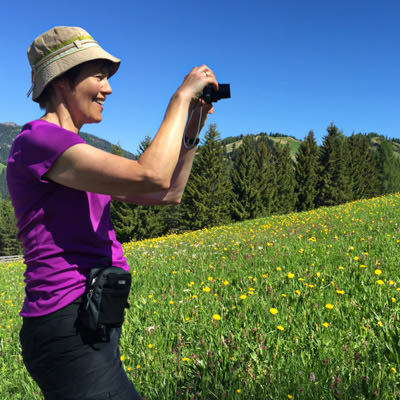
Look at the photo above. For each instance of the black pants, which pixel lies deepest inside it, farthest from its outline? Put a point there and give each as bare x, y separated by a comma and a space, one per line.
71, 363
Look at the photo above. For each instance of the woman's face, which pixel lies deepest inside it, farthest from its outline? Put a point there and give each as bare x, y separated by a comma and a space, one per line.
86, 98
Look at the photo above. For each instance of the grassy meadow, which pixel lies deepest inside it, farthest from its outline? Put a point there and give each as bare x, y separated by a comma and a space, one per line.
300, 306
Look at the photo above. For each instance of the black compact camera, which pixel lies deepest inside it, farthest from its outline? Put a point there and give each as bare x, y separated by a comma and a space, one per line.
210, 95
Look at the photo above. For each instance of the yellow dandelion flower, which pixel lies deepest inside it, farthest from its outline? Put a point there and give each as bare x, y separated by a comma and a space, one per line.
150, 346
329, 306
393, 370
138, 366
273, 311
278, 268
356, 258
185, 359
380, 282
378, 272
238, 390
290, 275
280, 328
326, 324
340, 291
206, 289
226, 282
380, 323
171, 302
242, 297
216, 317
363, 266
122, 358
393, 300
298, 292
290, 396
283, 295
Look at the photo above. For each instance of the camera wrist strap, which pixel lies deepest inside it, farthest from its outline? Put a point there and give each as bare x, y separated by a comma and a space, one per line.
190, 143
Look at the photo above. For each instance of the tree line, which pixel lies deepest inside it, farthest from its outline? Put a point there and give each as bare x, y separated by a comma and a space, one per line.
258, 178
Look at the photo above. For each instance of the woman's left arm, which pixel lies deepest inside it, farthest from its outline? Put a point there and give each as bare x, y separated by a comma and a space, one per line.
173, 194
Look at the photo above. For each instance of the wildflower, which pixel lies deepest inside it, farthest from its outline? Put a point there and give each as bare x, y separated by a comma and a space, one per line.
242, 297
206, 289
393, 300
380, 323
363, 266
171, 302
326, 324
185, 359
280, 327
380, 282
273, 311
393, 370
290, 275
150, 346
340, 291
329, 306
356, 258
238, 390
122, 358
290, 396
378, 272
226, 282
298, 292
217, 317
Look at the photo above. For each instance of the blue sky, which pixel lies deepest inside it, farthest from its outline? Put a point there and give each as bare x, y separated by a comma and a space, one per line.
293, 65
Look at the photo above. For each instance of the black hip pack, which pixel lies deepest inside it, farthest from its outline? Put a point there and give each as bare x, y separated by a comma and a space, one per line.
105, 299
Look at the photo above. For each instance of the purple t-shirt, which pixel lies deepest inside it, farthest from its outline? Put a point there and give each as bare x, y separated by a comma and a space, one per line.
64, 232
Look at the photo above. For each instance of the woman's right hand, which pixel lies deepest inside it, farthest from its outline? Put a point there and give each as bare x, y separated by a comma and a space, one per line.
195, 81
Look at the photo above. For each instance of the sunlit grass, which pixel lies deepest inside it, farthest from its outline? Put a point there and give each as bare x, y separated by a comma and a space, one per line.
302, 306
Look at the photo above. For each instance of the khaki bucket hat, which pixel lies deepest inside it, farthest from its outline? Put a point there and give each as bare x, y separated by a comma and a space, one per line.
60, 49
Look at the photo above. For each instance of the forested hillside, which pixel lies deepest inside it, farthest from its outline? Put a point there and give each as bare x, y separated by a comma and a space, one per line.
247, 177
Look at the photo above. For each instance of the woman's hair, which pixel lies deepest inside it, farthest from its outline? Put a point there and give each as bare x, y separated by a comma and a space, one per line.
71, 76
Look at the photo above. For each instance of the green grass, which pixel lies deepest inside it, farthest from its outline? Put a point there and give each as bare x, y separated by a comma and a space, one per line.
302, 306
2, 166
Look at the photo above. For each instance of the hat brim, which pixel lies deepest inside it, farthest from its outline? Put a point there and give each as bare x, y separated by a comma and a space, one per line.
55, 69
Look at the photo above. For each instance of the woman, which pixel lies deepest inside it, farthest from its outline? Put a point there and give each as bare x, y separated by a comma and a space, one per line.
61, 188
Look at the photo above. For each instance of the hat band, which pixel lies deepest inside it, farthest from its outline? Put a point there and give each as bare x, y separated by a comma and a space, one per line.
74, 47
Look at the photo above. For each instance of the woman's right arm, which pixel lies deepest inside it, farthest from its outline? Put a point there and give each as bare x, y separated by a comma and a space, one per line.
87, 168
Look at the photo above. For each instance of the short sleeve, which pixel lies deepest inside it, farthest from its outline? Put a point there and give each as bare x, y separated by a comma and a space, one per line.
43, 144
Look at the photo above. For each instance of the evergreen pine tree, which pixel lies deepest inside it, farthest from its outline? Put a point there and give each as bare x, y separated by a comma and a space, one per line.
388, 166
207, 197
285, 175
122, 214
247, 197
307, 172
334, 186
363, 172
267, 183
9, 244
